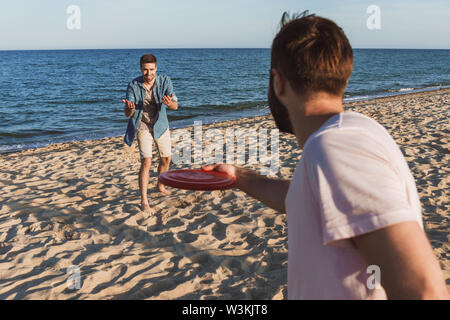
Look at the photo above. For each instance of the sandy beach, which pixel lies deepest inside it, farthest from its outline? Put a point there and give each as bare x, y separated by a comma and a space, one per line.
77, 204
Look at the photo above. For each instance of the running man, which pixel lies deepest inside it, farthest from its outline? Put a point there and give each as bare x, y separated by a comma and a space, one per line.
148, 96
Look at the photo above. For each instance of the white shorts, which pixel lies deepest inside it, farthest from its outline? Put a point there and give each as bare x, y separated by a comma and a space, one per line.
145, 142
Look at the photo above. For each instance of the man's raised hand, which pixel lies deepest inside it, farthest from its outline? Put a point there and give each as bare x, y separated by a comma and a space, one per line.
129, 107
167, 100
128, 104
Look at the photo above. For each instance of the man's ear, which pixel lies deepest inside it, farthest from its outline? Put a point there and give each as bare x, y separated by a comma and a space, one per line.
278, 82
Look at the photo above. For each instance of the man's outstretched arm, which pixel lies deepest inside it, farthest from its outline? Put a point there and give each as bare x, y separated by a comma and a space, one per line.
270, 191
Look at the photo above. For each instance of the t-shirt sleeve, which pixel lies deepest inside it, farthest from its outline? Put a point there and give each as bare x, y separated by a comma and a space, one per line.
357, 188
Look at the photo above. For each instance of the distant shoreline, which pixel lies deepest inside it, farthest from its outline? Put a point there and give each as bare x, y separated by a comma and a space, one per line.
87, 87
375, 99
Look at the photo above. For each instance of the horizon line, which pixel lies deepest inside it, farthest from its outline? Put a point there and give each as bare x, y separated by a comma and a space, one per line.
199, 48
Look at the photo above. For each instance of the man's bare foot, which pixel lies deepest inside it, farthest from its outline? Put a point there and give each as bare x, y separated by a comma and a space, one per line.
162, 189
146, 209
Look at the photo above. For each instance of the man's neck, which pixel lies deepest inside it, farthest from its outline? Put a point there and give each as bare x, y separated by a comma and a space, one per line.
149, 84
311, 125
312, 112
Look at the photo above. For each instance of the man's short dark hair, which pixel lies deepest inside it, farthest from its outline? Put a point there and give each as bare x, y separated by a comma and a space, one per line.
313, 53
148, 58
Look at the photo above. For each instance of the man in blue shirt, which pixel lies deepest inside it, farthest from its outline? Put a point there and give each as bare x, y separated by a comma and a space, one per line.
148, 97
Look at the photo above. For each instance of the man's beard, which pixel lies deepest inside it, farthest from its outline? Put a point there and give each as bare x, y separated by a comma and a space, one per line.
279, 111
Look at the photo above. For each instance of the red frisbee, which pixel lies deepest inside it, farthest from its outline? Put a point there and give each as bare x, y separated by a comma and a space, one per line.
197, 179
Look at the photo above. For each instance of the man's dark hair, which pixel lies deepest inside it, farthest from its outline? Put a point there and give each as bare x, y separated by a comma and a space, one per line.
313, 53
148, 58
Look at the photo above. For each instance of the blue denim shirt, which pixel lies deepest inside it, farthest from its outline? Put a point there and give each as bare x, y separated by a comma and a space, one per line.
136, 93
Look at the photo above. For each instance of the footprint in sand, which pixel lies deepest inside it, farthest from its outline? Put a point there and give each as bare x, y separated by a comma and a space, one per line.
219, 230
186, 237
234, 265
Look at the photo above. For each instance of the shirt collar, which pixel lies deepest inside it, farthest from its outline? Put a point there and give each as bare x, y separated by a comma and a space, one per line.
140, 81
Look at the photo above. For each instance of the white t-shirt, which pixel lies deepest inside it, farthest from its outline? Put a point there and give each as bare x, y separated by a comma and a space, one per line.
352, 179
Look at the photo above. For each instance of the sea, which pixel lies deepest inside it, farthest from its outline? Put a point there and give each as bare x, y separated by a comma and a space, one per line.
56, 96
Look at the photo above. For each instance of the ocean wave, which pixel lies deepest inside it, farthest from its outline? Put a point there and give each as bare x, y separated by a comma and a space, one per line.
30, 133
401, 89
81, 102
357, 96
53, 140
232, 106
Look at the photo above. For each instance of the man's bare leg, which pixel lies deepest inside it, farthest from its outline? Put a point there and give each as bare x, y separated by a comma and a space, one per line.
144, 177
164, 164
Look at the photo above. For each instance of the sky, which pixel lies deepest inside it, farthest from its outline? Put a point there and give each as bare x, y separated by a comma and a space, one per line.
111, 24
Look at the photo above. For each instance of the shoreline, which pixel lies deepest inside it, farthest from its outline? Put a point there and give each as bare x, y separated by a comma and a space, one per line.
77, 204
346, 104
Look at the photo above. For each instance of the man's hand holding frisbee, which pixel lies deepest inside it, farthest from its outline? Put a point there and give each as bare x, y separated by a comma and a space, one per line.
270, 191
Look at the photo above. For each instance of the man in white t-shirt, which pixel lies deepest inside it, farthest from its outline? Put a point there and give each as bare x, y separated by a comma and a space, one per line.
354, 217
